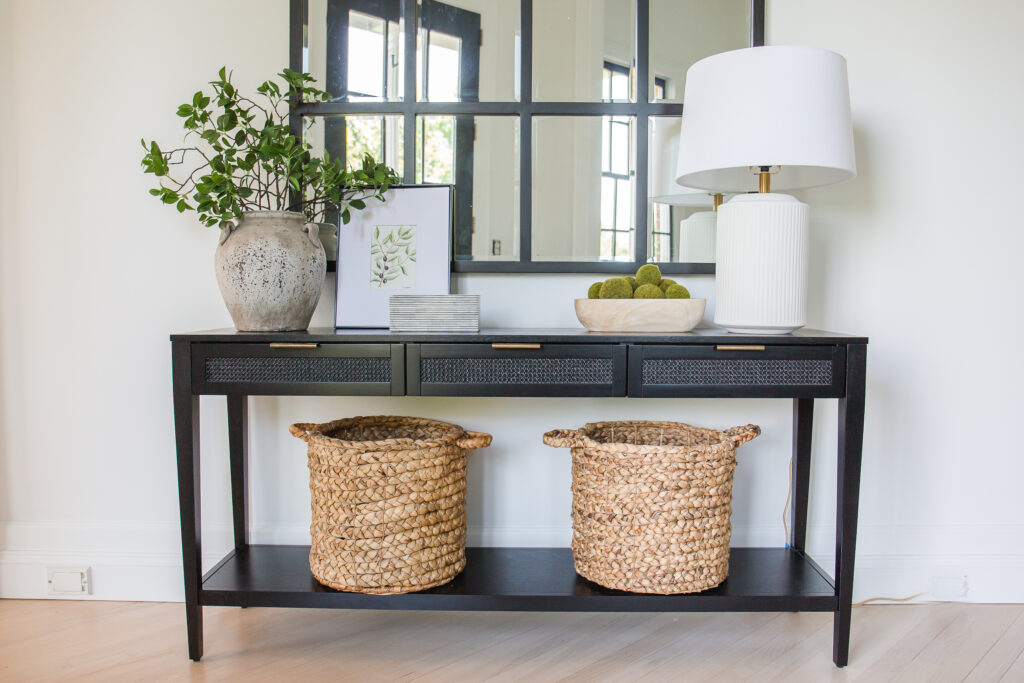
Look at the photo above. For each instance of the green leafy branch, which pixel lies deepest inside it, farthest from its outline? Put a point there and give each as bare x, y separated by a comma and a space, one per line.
244, 157
391, 254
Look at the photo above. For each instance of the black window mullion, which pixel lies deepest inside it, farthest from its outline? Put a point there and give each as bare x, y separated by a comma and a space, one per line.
756, 23
526, 132
409, 92
643, 101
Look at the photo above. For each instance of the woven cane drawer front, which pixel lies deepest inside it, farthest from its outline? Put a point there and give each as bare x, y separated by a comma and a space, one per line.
550, 370
311, 368
298, 370
738, 372
811, 371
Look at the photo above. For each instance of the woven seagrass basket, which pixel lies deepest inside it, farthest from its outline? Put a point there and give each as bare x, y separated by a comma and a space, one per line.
389, 502
651, 503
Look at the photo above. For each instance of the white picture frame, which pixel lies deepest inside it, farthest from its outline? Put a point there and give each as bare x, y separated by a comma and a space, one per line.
400, 246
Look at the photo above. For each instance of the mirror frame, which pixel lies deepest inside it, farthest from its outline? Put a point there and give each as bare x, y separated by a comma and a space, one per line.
526, 108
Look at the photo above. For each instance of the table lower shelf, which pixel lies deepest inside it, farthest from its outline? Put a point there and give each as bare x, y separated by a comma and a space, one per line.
533, 579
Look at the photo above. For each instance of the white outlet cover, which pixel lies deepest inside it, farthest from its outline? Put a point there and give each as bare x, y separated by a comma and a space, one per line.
68, 581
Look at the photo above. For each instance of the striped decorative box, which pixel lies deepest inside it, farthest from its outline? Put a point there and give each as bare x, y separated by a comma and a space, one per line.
435, 313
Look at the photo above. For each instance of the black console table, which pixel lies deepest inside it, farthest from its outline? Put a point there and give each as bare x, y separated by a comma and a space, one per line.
521, 362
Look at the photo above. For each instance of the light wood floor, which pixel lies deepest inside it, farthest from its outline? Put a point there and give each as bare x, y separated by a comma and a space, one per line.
48, 640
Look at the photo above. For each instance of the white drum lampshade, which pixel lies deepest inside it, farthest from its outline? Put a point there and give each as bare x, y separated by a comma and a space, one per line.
783, 109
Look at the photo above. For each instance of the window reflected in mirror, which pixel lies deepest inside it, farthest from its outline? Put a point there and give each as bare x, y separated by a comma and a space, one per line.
584, 188
458, 41
356, 49
573, 42
480, 157
686, 31
350, 137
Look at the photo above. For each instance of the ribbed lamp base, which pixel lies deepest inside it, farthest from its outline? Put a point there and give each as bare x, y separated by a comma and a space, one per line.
761, 264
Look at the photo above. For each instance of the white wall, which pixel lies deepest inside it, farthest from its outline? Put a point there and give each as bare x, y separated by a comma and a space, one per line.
919, 252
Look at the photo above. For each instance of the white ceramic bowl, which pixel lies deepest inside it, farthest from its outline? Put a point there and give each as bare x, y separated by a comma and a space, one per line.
640, 315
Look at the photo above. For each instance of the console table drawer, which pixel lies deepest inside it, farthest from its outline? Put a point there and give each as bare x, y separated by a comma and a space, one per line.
516, 369
737, 371
299, 368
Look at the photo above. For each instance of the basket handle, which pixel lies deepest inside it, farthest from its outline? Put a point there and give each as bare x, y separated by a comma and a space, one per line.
301, 430
741, 435
563, 438
472, 440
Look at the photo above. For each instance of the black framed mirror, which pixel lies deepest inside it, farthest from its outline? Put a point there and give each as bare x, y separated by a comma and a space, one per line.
553, 119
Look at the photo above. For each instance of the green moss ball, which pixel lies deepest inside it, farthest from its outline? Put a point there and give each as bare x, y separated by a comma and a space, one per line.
616, 288
632, 281
666, 283
649, 274
595, 291
677, 292
648, 292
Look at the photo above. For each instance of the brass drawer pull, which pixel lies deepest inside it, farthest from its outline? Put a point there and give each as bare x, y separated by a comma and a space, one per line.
515, 346
739, 347
293, 345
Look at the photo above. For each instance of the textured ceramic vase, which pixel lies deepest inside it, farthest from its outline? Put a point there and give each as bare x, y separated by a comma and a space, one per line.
270, 268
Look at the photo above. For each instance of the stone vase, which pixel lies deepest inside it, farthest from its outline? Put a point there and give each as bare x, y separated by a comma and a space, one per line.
270, 267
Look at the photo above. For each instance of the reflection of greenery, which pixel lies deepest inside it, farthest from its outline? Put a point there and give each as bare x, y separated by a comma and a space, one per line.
365, 135
391, 253
437, 140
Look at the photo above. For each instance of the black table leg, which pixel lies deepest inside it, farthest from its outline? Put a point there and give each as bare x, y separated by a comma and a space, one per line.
186, 433
851, 441
238, 445
803, 421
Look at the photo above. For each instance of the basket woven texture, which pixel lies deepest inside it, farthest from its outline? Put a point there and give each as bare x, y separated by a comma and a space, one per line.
389, 502
651, 503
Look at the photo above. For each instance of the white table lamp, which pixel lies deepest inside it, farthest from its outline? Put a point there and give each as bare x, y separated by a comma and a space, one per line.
697, 232
783, 115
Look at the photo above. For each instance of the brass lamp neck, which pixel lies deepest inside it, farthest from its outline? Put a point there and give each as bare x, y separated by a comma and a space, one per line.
717, 199
764, 180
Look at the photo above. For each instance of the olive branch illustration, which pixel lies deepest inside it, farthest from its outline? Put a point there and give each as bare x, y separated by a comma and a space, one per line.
390, 254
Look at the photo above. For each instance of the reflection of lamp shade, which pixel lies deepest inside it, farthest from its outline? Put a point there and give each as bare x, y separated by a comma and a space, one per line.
663, 146
785, 109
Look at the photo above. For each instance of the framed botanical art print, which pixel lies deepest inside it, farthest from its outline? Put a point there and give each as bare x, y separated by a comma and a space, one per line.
399, 246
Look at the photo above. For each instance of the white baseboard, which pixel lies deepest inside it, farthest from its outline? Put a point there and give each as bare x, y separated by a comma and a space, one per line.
142, 562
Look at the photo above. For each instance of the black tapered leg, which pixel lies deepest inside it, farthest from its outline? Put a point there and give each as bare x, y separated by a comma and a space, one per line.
803, 421
238, 444
186, 433
851, 441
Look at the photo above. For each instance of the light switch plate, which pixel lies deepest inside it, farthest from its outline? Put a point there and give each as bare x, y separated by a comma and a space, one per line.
68, 581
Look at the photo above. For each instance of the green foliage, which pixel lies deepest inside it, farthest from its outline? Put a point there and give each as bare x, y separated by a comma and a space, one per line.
649, 274
391, 253
648, 292
244, 157
595, 291
666, 283
677, 292
632, 281
616, 288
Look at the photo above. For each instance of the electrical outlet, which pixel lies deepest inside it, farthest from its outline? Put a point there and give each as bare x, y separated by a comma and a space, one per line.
949, 587
68, 581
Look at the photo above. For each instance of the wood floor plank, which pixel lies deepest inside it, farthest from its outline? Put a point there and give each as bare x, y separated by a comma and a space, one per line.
902, 652
959, 647
1000, 657
101, 642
